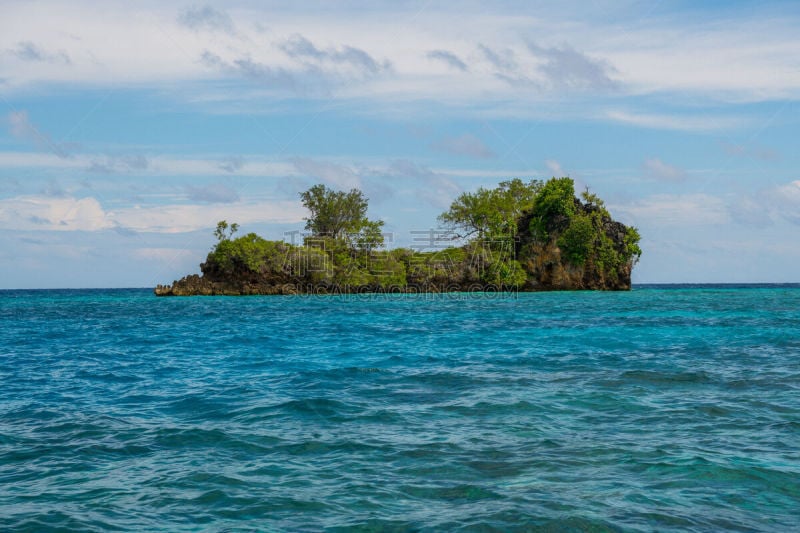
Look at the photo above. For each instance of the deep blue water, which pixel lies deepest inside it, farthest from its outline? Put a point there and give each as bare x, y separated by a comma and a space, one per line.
659, 409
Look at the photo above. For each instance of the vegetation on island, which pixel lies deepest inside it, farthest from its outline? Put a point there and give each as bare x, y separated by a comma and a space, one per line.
519, 235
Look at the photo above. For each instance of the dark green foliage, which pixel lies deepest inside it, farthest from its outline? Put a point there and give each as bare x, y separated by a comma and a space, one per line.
222, 228
491, 213
339, 214
554, 207
632, 250
505, 274
248, 254
577, 240
344, 253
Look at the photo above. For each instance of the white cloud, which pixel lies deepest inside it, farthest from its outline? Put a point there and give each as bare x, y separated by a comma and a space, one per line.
150, 165
566, 68
466, 145
674, 122
301, 48
231, 164
433, 188
448, 58
206, 18
28, 51
555, 167
213, 193
768, 206
656, 169
488, 53
749, 211
86, 214
21, 127
674, 210
785, 201
331, 173
53, 213
115, 164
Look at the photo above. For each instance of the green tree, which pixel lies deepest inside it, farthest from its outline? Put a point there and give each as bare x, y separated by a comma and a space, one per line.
554, 205
491, 213
593, 200
341, 215
370, 237
632, 249
576, 242
224, 232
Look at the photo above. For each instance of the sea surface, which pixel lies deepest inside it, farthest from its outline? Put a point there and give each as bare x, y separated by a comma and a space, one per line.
660, 409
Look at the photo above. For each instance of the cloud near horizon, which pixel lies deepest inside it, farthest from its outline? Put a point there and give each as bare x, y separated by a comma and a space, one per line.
46, 213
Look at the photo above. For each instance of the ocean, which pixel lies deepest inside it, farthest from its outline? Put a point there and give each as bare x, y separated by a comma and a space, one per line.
667, 408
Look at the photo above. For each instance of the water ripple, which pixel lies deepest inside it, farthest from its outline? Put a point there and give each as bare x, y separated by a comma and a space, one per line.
659, 409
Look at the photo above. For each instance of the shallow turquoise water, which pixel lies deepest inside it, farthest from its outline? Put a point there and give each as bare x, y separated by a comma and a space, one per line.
659, 409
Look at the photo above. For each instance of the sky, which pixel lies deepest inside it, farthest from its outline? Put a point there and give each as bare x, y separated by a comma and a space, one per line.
128, 129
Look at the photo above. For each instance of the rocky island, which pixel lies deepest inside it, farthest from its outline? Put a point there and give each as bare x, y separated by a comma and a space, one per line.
525, 236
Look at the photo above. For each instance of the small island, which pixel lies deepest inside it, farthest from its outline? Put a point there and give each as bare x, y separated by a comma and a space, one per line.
519, 236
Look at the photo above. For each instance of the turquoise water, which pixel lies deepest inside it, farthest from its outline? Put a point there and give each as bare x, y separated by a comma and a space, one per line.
659, 409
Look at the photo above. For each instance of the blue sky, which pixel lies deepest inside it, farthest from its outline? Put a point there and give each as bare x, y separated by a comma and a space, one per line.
128, 132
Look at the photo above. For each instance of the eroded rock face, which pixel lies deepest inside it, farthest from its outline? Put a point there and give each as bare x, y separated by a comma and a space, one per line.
549, 272
548, 269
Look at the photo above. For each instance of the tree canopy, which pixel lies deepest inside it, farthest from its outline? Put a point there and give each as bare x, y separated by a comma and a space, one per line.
491, 213
224, 232
341, 215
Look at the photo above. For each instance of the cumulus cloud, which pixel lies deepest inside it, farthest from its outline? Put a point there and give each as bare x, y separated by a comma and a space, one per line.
214, 193
448, 58
566, 68
206, 18
466, 145
29, 51
53, 213
656, 169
